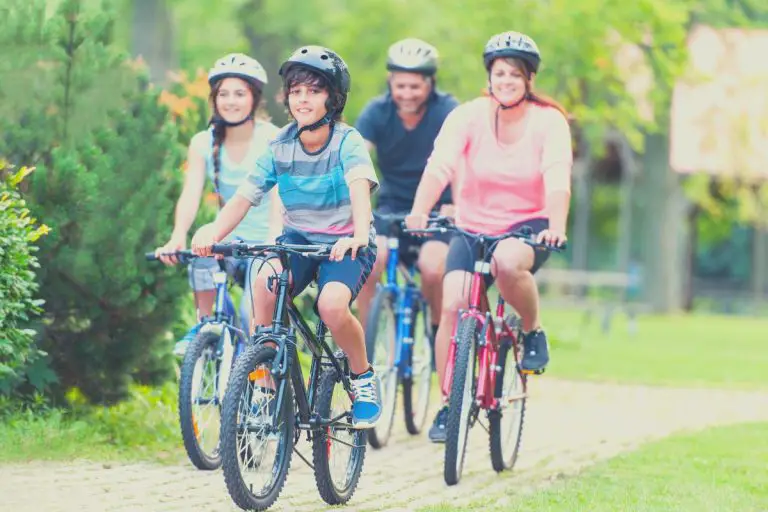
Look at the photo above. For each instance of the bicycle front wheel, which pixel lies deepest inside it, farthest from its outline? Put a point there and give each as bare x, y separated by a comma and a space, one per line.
256, 438
418, 383
380, 338
461, 408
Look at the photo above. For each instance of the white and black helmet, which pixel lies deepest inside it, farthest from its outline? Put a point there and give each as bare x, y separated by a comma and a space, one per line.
412, 55
238, 65
514, 45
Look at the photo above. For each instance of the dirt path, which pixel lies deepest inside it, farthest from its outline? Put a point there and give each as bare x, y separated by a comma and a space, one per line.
569, 425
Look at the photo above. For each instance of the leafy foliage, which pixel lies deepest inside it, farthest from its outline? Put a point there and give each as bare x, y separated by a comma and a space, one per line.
19, 233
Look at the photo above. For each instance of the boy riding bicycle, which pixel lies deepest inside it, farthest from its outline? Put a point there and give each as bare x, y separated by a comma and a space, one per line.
325, 178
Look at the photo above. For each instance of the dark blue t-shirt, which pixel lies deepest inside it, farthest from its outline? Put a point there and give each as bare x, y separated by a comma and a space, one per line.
402, 154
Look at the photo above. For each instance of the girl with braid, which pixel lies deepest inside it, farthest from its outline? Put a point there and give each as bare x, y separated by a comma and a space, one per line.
225, 153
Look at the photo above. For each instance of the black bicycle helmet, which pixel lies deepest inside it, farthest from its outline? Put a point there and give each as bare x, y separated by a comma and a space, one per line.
327, 63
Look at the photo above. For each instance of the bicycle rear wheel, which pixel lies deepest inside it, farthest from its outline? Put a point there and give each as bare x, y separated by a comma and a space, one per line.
461, 408
380, 343
505, 424
338, 451
247, 434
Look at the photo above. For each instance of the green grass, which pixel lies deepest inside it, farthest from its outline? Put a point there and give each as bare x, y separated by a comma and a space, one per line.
694, 350
720, 469
145, 427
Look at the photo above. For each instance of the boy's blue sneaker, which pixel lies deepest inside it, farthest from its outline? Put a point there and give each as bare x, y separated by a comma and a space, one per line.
366, 409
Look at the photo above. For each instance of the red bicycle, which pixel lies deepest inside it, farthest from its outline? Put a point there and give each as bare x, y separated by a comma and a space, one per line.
483, 370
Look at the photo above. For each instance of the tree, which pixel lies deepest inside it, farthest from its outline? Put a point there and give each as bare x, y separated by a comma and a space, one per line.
108, 173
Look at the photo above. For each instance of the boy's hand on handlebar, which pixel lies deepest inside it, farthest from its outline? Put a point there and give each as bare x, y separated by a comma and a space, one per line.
551, 238
343, 245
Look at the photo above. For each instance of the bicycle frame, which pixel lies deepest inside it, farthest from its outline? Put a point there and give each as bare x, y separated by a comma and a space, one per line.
407, 297
286, 320
492, 329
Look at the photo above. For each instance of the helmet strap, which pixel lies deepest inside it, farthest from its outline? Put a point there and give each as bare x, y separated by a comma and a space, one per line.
327, 119
500, 106
229, 124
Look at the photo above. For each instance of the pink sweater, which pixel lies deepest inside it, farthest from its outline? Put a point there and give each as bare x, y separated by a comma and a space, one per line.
495, 187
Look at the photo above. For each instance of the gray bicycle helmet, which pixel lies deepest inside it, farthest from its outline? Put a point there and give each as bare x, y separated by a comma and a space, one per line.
514, 45
238, 65
412, 55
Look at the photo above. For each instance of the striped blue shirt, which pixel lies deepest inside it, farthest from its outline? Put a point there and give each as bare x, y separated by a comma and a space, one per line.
313, 187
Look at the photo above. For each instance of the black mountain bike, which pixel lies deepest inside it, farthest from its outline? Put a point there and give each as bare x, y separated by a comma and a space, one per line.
268, 402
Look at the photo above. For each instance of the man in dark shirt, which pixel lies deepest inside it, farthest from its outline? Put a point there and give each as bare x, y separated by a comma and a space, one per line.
402, 125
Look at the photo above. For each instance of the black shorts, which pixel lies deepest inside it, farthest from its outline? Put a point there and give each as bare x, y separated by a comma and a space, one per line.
463, 251
410, 245
352, 273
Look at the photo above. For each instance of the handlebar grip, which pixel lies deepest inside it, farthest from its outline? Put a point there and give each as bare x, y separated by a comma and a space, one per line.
526, 231
150, 256
223, 249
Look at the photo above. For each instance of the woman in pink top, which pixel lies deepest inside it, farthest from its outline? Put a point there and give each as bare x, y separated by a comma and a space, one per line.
508, 157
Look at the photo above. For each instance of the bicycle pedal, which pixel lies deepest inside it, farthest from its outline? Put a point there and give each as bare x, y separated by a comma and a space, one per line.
532, 372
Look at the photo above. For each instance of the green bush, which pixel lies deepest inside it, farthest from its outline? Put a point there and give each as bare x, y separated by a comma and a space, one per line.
109, 161
18, 233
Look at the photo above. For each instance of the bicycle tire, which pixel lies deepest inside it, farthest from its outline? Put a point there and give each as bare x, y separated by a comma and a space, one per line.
499, 461
190, 433
415, 411
253, 356
381, 304
459, 410
332, 494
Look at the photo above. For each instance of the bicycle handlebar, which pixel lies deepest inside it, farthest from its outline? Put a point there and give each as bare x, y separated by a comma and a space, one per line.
399, 217
525, 234
182, 256
242, 249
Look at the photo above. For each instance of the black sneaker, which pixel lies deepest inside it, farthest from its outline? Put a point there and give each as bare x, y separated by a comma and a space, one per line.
437, 431
535, 352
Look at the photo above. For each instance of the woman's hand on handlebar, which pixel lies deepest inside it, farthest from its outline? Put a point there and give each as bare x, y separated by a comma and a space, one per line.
551, 238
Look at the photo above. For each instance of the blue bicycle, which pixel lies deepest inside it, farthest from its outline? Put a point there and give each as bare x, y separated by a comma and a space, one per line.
205, 371
397, 338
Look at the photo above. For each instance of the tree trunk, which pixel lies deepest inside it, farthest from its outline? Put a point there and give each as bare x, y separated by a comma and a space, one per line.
152, 38
760, 256
582, 187
690, 268
664, 227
